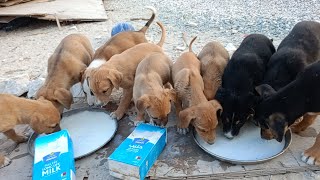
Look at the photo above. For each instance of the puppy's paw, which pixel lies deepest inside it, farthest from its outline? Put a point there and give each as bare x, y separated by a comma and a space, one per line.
311, 156
22, 138
5, 162
116, 115
183, 131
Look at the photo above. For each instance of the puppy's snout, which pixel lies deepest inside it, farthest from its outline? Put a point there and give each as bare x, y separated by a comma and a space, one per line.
266, 134
211, 141
57, 128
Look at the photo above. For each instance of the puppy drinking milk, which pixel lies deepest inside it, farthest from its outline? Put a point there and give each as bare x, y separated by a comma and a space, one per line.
213, 58
65, 68
40, 114
192, 107
149, 93
115, 45
298, 49
119, 71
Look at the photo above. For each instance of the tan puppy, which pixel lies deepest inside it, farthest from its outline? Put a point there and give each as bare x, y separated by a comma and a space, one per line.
115, 45
214, 58
40, 114
149, 93
65, 68
198, 111
119, 71
124, 40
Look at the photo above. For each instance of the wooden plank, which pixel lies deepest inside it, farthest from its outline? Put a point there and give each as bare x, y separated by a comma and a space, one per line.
78, 10
12, 2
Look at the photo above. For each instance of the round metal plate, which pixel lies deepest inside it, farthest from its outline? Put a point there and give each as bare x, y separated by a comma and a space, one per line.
231, 144
87, 134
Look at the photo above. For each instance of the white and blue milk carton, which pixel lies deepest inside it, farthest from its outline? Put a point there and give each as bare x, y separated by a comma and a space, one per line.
138, 152
53, 157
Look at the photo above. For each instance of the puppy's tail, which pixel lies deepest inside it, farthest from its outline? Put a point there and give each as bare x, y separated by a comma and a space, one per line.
163, 35
146, 26
190, 45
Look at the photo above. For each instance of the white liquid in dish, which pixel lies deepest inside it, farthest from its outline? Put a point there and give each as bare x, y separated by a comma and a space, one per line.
89, 130
247, 146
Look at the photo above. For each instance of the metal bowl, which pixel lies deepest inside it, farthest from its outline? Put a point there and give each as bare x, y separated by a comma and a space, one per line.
287, 139
70, 113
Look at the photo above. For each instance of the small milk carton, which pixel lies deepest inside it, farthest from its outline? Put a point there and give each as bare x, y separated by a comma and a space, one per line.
53, 157
137, 153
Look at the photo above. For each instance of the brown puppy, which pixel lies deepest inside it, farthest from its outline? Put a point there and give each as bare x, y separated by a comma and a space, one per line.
124, 40
40, 114
214, 58
119, 71
198, 111
149, 93
65, 68
115, 45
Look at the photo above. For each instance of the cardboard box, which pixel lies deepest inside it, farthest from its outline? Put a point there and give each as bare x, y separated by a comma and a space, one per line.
53, 157
138, 152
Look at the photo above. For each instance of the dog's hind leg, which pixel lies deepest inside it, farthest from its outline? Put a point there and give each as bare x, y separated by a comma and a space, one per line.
124, 104
304, 124
312, 155
15, 137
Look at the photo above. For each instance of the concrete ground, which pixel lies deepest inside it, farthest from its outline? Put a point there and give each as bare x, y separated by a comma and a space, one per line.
181, 158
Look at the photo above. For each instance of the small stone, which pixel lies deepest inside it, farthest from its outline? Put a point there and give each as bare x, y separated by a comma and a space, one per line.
193, 24
34, 86
17, 85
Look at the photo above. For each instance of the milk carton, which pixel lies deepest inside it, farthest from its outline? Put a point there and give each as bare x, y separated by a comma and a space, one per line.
53, 157
137, 153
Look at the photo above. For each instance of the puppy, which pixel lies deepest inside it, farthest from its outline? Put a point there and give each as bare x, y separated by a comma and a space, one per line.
149, 93
297, 50
115, 45
243, 73
124, 40
213, 58
65, 68
192, 107
40, 114
279, 110
119, 71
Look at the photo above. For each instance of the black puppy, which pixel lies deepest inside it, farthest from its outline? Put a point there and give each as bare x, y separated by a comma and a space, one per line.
280, 109
300, 48
243, 73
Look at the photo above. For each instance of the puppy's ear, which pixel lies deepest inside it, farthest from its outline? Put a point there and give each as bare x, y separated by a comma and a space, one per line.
217, 106
82, 75
187, 115
143, 103
172, 95
278, 125
115, 77
64, 97
265, 90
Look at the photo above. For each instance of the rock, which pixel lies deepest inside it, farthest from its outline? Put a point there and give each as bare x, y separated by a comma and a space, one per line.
77, 91
230, 48
17, 85
193, 24
34, 86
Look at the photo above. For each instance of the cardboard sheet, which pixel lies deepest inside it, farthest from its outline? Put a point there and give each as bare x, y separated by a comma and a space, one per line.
70, 10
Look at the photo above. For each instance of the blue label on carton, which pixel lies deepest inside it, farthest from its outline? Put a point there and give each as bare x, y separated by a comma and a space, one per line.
138, 151
53, 157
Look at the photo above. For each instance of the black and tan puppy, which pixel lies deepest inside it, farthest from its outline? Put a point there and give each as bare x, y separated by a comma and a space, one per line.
299, 49
280, 109
243, 73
